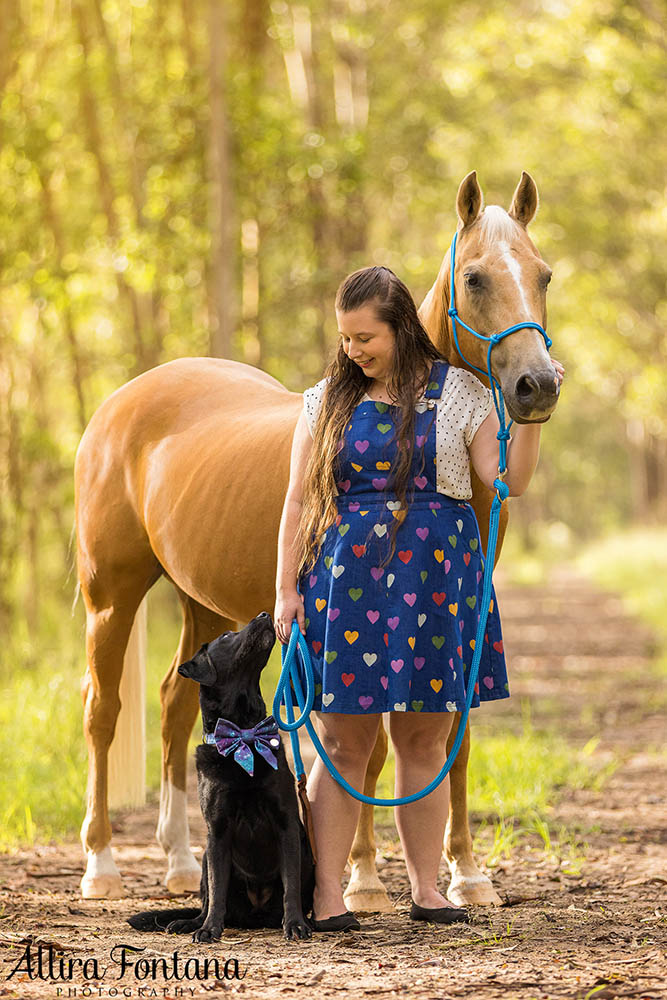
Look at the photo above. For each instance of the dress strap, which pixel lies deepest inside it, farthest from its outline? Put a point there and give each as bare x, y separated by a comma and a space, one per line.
436, 380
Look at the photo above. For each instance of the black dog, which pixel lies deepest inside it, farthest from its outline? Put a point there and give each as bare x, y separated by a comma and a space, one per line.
257, 870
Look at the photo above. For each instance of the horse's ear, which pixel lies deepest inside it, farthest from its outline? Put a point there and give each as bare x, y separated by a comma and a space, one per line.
525, 200
469, 200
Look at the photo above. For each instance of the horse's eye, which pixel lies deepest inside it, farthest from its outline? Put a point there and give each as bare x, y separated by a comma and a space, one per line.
546, 278
472, 280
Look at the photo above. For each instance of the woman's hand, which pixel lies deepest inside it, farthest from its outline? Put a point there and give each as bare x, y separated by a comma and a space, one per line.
289, 605
560, 371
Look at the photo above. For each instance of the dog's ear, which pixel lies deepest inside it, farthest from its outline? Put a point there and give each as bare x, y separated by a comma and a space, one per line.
199, 668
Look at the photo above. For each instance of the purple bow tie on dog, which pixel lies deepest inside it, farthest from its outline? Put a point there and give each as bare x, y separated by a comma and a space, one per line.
228, 738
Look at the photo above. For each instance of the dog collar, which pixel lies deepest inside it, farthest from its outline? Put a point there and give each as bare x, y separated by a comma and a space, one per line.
228, 738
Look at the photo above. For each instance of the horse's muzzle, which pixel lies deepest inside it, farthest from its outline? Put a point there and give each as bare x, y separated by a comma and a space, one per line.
533, 397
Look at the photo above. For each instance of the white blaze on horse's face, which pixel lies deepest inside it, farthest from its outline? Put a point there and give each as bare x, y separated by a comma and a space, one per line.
501, 280
513, 265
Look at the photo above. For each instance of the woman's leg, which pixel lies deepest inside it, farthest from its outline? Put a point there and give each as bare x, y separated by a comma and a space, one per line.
349, 741
419, 740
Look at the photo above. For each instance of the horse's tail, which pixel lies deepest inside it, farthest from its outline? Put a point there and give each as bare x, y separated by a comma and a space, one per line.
127, 754
157, 920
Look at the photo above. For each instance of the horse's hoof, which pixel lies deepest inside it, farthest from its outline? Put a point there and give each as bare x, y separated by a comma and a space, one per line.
477, 891
184, 881
361, 901
102, 887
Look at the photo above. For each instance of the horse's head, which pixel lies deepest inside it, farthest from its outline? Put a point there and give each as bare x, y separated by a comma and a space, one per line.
500, 281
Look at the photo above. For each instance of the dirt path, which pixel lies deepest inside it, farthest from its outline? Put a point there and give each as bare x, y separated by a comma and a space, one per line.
600, 932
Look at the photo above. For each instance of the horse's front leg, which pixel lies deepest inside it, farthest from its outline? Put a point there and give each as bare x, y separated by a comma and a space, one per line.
468, 884
365, 892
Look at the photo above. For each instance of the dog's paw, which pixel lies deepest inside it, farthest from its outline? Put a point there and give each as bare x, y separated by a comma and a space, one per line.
297, 928
205, 934
183, 926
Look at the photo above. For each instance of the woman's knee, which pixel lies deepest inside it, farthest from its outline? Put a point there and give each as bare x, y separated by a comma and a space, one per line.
349, 740
420, 737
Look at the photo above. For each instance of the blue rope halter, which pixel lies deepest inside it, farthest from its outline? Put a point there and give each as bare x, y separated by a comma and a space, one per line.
297, 643
498, 401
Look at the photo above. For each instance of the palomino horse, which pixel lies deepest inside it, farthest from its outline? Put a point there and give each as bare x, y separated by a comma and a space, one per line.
182, 472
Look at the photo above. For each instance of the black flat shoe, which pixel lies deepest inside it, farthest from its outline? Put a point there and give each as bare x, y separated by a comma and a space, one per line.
439, 914
342, 922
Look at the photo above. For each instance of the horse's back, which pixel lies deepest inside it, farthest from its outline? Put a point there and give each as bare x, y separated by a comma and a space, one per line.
193, 451
176, 395
184, 402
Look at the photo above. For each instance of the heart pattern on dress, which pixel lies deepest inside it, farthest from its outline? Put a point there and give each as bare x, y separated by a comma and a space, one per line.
387, 630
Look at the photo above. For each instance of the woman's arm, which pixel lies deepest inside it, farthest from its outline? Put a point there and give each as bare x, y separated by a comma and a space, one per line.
289, 604
522, 451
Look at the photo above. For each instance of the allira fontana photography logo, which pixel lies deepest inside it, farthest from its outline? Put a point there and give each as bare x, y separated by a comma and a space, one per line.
126, 966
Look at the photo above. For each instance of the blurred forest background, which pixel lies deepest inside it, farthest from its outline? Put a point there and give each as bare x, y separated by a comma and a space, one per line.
188, 177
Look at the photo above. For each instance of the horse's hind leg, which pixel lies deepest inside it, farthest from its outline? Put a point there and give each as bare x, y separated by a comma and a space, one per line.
180, 705
365, 892
112, 594
468, 884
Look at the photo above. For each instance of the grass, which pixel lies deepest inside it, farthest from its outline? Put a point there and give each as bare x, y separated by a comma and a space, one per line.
516, 774
514, 778
42, 795
634, 564
42, 745
487, 939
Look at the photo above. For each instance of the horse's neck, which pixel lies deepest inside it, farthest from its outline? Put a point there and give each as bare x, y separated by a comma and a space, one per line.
433, 314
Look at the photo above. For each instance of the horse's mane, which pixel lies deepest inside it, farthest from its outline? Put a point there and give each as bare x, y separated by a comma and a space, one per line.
495, 225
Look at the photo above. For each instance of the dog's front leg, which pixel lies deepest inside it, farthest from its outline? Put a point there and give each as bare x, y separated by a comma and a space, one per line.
219, 866
294, 923
190, 925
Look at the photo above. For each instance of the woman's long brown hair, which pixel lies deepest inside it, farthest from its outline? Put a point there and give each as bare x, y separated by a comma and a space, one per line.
414, 353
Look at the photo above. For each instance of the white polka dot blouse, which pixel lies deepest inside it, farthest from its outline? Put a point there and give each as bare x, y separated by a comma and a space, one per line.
464, 404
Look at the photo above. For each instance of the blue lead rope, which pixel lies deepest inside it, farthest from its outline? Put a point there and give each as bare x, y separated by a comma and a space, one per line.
289, 673
297, 643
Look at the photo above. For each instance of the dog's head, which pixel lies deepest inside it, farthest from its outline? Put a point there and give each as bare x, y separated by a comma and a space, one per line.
228, 671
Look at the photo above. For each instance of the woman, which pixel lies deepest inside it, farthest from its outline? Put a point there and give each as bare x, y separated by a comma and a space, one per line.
380, 562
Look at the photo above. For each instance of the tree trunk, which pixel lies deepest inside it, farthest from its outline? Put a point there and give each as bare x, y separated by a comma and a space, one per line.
53, 223
10, 470
636, 433
138, 306
222, 270
254, 25
11, 18
307, 38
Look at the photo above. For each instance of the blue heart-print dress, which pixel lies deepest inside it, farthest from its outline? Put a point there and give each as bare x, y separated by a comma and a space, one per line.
398, 637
